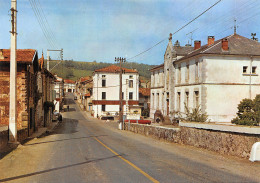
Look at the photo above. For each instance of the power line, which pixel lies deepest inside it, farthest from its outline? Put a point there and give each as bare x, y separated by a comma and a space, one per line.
176, 31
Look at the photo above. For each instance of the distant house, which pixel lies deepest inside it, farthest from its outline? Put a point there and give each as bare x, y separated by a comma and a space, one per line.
144, 98
106, 90
69, 86
59, 92
84, 88
27, 68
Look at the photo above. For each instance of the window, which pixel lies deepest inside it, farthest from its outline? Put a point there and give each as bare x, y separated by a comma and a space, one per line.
197, 70
254, 70
178, 101
103, 107
130, 95
122, 95
103, 83
244, 69
187, 73
179, 74
103, 95
187, 99
131, 77
131, 83
196, 98
103, 76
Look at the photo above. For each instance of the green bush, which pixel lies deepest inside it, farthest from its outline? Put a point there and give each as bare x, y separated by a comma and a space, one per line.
248, 112
195, 115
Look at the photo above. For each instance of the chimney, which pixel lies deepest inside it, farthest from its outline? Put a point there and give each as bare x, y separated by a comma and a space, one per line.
1, 54
197, 45
224, 44
211, 40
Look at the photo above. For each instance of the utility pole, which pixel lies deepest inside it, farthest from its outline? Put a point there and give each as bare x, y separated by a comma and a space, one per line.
13, 74
48, 57
120, 60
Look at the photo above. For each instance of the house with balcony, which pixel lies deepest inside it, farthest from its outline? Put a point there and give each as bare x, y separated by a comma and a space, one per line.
106, 82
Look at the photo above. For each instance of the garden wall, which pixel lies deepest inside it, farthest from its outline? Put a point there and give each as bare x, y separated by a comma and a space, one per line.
223, 142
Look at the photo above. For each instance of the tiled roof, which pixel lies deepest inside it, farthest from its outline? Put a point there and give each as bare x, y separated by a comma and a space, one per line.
69, 81
145, 91
238, 45
87, 95
183, 50
86, 78
115, 69
22, 55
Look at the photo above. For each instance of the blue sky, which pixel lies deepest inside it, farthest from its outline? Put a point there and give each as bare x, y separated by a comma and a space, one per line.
101, 30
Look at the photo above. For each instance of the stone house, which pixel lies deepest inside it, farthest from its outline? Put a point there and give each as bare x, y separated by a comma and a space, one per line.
45, 83
84, 89
27, 68
106, 84
162, 80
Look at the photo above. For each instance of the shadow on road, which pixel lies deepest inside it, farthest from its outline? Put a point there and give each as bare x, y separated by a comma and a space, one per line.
63, 140
54, 169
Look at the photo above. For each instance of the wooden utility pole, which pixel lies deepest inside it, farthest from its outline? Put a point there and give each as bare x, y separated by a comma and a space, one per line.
13, 73
120, 60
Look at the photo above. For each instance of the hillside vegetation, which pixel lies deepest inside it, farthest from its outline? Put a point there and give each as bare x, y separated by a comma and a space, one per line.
74, 70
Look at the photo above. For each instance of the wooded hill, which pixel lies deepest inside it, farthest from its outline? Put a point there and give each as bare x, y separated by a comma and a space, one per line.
74, 69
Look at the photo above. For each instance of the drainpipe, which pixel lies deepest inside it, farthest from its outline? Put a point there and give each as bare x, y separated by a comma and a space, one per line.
250, 78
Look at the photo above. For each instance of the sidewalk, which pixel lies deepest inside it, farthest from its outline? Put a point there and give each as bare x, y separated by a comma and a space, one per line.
41, 131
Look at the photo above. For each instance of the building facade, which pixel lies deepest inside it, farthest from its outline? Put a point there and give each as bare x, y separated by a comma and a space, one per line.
214, 77
162, 80
27, 68
106, 84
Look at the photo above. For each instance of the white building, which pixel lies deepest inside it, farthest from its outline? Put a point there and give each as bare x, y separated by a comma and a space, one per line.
59, 91
217, 76
162, 80
106, 90
69, 86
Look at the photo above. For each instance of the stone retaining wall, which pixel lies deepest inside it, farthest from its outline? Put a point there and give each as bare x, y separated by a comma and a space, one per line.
236, 144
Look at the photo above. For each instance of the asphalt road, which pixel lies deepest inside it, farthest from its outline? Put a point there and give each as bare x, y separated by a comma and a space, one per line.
83, 149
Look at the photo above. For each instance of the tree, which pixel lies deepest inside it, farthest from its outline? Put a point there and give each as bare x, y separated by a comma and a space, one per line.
248, 112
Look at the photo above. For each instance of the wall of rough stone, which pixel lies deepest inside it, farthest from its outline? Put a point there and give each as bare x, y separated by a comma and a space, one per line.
22, 113
236, 144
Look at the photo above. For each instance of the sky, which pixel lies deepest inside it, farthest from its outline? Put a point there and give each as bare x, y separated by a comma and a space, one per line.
101, 30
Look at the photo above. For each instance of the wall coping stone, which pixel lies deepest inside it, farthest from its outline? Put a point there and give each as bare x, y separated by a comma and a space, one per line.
155, 126
224, 128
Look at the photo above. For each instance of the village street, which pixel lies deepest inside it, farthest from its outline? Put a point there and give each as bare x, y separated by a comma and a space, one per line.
84, 149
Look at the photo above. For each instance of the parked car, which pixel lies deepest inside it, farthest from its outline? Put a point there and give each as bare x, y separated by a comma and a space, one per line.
56, 116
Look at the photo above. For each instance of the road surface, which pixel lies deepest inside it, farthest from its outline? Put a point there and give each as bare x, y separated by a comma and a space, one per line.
84, 149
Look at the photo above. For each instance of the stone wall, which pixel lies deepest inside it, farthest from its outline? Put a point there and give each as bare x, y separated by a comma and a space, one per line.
236, 144
22, 113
